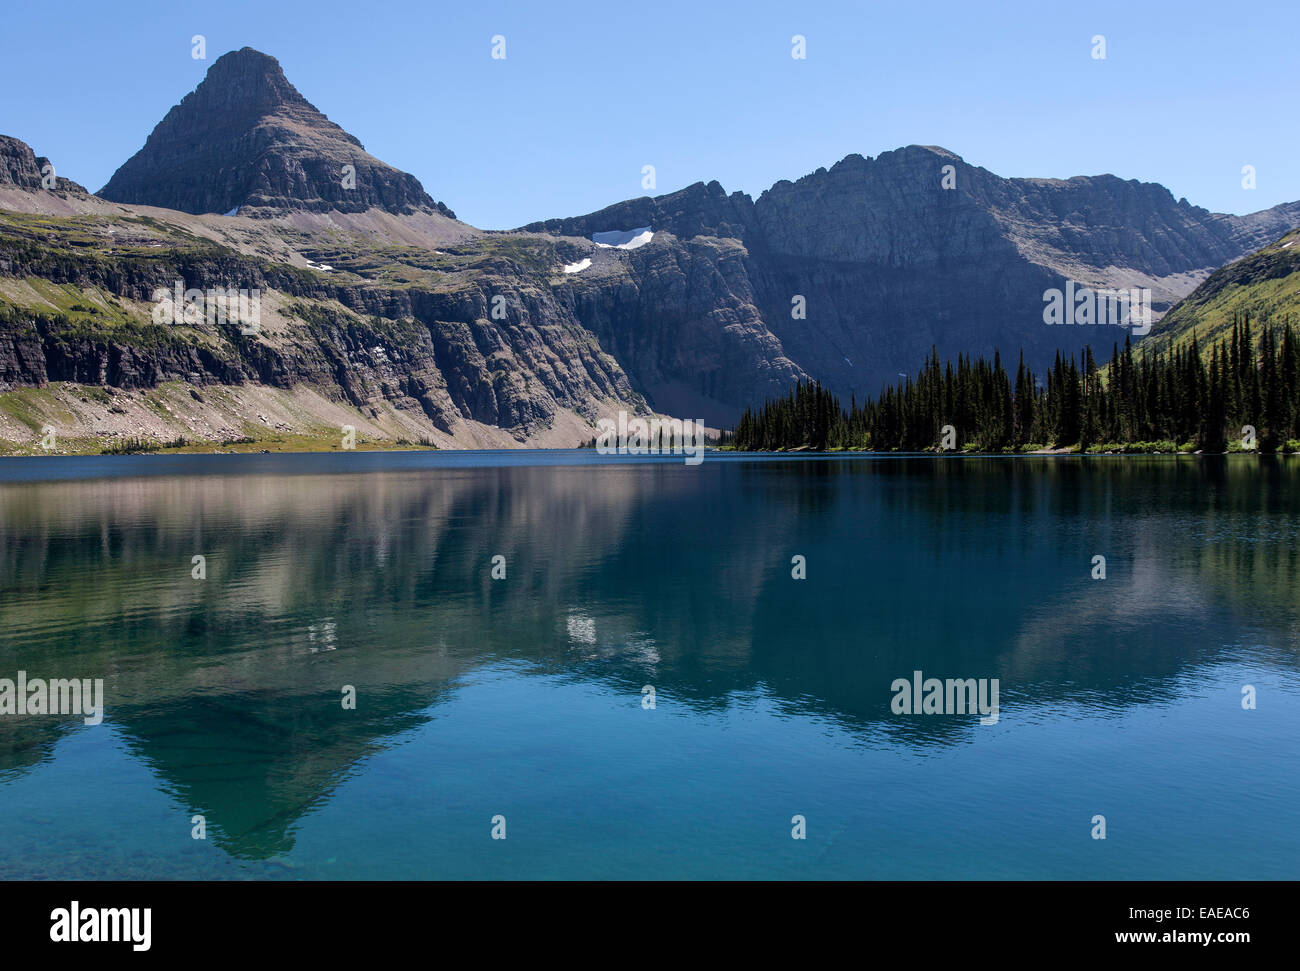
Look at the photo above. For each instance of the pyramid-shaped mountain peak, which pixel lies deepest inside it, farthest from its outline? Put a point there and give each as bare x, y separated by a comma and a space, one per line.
247, 80
245, 139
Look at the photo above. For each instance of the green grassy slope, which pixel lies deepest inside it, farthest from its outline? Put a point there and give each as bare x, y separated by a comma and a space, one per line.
1265, 286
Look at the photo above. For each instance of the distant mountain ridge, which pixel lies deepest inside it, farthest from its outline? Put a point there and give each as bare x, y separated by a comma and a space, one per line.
842, 213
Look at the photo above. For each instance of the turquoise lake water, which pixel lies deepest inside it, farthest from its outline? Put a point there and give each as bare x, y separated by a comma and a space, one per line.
522, 697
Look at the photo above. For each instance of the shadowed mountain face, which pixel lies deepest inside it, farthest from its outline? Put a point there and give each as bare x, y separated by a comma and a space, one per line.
245, 137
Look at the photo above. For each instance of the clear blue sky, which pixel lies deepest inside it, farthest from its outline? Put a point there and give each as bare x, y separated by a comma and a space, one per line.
590, 92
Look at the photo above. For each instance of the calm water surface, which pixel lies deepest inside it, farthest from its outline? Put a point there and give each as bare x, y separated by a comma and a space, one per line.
523, 697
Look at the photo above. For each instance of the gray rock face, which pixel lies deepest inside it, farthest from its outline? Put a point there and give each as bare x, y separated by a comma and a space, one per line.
246, 138
894, 210
680, 316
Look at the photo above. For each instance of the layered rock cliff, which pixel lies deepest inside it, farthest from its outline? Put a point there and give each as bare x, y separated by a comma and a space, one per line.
439, 352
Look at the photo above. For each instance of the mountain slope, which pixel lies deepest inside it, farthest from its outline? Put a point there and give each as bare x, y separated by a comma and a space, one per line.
1264, 287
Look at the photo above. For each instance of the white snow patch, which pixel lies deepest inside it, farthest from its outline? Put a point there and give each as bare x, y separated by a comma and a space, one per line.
624, 239
577, 267
233, 212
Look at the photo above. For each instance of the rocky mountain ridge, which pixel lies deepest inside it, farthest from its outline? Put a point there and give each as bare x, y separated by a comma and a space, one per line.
22, 168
